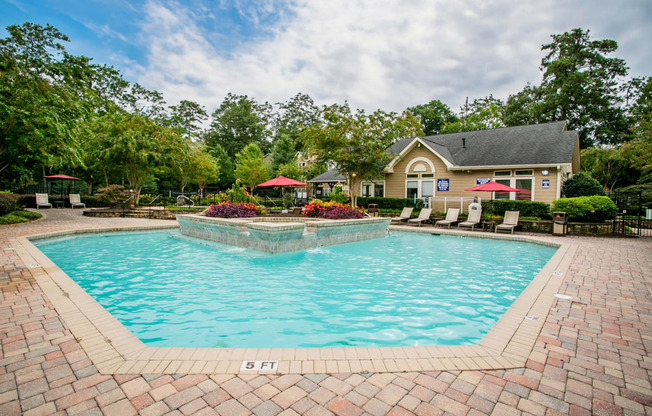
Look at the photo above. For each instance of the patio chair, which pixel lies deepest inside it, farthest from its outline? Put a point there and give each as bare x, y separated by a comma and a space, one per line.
75, 201
405, 215
424, 215
473, 220
42, 201
509, 222
451, 217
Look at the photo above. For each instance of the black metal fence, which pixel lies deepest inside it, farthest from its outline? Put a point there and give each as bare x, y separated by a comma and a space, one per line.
633, 218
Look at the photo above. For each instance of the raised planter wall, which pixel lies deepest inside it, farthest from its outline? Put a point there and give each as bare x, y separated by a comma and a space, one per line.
280, 235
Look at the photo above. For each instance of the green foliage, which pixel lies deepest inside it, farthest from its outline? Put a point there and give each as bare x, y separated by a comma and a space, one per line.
238, 193
287, 200
586, 208
582, 185
292, 171
526, 208
237, 122
295, 114
8, 203
27, 214
338, 195
224, 165
12, 219
482, 114
283, 152
644, 189
433, 116
249, 166
188, 117
386, 203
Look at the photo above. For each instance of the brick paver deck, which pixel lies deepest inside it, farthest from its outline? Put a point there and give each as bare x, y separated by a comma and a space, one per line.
591, 357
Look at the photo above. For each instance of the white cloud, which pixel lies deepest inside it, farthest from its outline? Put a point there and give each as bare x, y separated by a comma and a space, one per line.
389, 55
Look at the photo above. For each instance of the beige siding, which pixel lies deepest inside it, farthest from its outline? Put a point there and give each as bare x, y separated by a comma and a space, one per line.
395, 183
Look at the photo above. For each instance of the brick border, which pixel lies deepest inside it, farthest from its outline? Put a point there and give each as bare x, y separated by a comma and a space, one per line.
115, 350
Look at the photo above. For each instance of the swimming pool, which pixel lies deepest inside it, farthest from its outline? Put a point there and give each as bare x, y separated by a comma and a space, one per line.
403, 290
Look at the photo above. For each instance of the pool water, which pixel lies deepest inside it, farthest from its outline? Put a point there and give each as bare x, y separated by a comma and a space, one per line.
405, 289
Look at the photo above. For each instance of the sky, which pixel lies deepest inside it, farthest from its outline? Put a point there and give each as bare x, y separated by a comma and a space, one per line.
389, 54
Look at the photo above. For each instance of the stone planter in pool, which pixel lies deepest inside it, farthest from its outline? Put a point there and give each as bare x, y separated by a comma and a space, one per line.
279, 234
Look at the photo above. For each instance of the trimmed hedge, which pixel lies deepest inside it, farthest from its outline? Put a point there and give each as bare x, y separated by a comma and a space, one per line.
386, 203
582, 185
586, 208
526, 208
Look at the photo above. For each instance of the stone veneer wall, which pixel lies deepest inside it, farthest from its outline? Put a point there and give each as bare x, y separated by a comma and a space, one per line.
279, 235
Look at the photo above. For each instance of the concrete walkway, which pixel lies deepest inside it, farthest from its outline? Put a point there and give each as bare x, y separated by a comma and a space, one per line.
592, 356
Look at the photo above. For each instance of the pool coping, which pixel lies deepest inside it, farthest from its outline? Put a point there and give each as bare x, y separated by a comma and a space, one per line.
113, 349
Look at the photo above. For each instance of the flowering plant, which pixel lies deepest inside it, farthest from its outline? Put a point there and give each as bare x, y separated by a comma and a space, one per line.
338, 195
230, 210
331, 210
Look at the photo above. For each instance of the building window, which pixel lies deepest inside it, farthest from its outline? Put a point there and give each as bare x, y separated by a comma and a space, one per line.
427, 175
366, 188
412, 189
412, 175
528, 172
427, 188
379, 189
525, 187
502, 195
503, 173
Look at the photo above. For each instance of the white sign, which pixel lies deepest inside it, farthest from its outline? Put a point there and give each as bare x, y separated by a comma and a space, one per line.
481, 181
259, 366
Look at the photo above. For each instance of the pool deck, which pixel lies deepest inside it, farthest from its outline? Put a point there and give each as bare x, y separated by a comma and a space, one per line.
63, 354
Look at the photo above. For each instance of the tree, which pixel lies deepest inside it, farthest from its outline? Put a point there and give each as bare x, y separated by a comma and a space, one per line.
292, 171
237, 122
41, 101
188, 116
580, 85
205, 170
283, 152
225, 166
433, 116
137, 145
295, 114
357, 143
608, 166
482, 114
250, 167
524, 107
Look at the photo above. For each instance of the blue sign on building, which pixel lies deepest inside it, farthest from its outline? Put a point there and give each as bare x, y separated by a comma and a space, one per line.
546, 184
481, 181
443, 184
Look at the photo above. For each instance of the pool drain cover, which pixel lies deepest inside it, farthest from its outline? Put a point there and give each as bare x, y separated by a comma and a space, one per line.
533, 318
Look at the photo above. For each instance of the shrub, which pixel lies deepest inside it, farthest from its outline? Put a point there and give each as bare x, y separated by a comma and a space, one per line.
26, 214
582, 185
230, 210
12, 219
287, 200
7, 204
386, 203
331, 210
112, 195
339, 196
586, 208
238, 193
526, 208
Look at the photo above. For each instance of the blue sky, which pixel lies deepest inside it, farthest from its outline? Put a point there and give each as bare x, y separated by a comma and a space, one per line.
390, 55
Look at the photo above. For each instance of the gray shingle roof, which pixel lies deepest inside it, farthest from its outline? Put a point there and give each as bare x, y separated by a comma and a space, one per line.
522, 145
330, 176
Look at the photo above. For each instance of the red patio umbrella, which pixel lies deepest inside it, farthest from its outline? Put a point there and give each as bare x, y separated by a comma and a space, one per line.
62, 178
280, 181
492, 187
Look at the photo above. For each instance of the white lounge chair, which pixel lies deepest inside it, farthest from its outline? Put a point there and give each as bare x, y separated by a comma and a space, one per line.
42, 201
473, 220
405, 215
75, 201
509, 222
424, 215
451, 217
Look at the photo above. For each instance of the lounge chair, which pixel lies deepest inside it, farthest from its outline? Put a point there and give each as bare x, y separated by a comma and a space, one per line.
405, 215
451, 217
42, 201
509, 222
473, 220
75, 201
424, 215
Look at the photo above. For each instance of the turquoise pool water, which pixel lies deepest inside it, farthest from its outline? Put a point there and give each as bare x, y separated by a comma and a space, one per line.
403, 290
